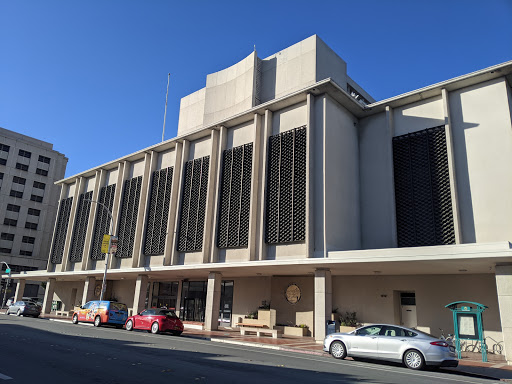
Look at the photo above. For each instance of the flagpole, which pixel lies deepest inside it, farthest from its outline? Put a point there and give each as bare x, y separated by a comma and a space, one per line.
165, 112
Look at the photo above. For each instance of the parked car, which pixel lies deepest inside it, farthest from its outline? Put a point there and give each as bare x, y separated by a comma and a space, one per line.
413, 348
25, 308
101, 312
9, 302
156, 320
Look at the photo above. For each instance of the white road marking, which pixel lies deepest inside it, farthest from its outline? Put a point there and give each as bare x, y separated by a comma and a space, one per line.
5, 377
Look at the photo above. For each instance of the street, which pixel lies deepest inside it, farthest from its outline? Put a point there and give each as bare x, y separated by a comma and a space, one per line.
39, 350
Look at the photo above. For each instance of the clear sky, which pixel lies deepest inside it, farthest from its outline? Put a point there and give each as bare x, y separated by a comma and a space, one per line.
90, 76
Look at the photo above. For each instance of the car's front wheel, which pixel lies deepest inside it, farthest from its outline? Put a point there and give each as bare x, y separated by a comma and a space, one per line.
74, 320
338, 350
18, 313
414, 359
129, 325
97, 321
155, 328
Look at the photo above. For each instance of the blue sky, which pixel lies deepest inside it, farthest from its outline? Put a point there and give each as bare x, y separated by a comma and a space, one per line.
90, 76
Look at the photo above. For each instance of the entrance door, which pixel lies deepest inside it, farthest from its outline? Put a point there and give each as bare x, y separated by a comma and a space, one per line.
193, 300
226, 303
408, 309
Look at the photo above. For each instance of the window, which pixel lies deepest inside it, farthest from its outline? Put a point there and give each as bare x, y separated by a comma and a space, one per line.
19, 180
3, 161
44, 159
4, 148
25, 253
5, 250
30, 225
43, 172
39, 185
10, 222
36, 198
1, 176
16, 194
28, 240
7, 236
371, 330
23, 167
23, 153
13, 208
34, 212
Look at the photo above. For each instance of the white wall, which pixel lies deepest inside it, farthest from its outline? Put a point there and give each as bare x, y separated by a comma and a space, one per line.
418, 116
191, 112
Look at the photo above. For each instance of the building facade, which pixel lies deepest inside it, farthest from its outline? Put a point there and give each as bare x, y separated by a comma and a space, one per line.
289, 187
29, 199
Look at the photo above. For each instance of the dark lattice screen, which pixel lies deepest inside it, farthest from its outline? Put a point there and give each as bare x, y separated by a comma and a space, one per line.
193, 206
286, 187
61, 230
102, 225
235, 197
128, 219
156, 230
80, 230
422, 189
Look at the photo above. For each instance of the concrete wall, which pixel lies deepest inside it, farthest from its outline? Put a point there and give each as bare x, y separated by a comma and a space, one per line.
248, 295
192, 112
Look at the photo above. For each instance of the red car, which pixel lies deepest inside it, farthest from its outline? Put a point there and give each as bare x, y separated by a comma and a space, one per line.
156, 320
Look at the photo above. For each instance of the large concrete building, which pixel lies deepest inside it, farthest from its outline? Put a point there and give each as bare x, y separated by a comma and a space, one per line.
288, 185
29, 199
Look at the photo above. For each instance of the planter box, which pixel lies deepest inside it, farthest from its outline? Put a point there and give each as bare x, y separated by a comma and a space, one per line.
345, 329
296, 331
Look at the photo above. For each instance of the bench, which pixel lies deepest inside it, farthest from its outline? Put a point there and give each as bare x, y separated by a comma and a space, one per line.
260, 330
64, 313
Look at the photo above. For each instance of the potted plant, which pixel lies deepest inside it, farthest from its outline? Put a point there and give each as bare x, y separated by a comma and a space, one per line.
348, 322
297, 330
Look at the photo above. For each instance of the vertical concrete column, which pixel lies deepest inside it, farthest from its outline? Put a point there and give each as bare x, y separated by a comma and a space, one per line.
141, 289
50, 267
20, 289
255, 188
211, 317
99, 180
137, 256
310, 177
223, 135
323, 302
48, 295
88, 292
175, 255
71, 225
504, 289
451, 166
173, 206
211, 196
390, 130
262, 193
122, 174
178, 298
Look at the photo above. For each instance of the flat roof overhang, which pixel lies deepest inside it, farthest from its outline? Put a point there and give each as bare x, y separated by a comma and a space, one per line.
437, 260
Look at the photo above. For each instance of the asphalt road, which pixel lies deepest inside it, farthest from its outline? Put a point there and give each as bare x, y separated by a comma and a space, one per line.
43, 351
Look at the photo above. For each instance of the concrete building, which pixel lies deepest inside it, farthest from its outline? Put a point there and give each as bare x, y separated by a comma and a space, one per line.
29, 199
289, 186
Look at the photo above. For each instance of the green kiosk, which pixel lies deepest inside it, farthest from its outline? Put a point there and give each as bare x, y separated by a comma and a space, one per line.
468, 325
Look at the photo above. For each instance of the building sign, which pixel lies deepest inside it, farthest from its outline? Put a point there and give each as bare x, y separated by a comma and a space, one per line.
292, 294
113, 244
468, 328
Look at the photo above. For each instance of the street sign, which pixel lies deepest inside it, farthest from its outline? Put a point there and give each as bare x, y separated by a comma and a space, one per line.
8, 270
105, 244
113, 244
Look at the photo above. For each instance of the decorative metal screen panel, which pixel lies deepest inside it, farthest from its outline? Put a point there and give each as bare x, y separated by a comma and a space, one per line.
61, 229
80, 230
195, 189
156, 229
233, 230
286, 187
128, 219
422, 189
102, 225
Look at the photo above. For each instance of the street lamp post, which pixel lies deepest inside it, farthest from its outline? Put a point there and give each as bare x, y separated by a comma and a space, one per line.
7, 282
108, 253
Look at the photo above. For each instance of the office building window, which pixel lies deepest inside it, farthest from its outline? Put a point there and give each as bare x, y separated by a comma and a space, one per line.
10, 222
30, 225
23, 153
25, 253
80, 228
5, 250
28, 240
61, 230
102, 224
34, 212
19, 180
128, 219
13, 208
42, 172
4, 148
16, 194
39, 185
7, 236
38, 199
3, 161
44, 159
23, 167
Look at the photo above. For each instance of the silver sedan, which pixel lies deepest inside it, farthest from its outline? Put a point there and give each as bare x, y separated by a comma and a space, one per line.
411, 347
25, 308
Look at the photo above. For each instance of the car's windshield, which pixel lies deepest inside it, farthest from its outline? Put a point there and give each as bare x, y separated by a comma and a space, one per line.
167, 312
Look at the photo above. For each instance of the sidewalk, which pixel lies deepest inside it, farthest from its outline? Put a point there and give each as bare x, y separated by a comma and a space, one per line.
471, 363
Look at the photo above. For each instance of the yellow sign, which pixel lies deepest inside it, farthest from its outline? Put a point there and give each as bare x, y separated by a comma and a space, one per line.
105, 243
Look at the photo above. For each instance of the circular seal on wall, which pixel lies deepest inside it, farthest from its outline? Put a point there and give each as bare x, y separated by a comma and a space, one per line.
97, 290
292, 293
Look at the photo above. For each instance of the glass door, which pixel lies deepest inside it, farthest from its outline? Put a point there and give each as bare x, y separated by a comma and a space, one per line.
226, 303
193, 301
